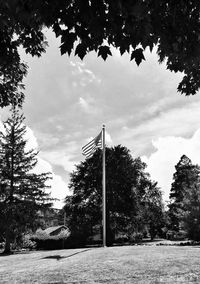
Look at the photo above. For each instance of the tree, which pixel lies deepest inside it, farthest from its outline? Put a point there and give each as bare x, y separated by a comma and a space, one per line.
185, 177
191, 213
11, 86
153, 211
85, 26
22, 192
126, 184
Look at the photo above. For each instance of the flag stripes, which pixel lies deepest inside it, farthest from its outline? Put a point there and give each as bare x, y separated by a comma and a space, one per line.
90, 148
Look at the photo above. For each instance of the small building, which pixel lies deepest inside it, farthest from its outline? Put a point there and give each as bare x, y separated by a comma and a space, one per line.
55, 230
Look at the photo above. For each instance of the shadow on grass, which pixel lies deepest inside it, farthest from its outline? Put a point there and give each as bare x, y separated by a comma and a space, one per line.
59, 257
15, 252
6, 253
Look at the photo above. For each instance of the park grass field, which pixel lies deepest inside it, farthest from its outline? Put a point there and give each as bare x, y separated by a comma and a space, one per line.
124, 264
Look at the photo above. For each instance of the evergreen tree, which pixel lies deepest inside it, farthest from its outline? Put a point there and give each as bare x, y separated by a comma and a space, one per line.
191, 212
22, 192
185, 177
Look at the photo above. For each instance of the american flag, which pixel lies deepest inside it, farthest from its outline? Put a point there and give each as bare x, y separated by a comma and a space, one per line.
90, 148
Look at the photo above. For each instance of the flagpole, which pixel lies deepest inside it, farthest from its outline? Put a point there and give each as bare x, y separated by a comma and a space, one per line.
104, 187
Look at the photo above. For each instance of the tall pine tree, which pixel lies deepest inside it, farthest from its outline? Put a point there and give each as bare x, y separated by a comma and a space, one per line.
185, 177
22, 192
191, 213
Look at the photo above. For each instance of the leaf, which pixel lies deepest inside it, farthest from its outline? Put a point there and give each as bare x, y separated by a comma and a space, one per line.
81, 50
151, 45
123, 48
67, 40
138, 55
63, 48
57, 29
104, 51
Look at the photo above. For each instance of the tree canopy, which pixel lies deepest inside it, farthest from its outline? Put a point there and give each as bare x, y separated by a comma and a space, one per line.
88, 25
133, 201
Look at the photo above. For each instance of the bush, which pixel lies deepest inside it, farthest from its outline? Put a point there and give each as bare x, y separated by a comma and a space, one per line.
136, 237
176, 236
121, 240
194, 233
27, 243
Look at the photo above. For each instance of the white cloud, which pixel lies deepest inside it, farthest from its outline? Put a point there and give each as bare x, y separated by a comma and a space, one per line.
31, 139
108, 139
169, 149
84, 104
85, 75
182, 121
60, 158
89, 106
59, 189
180, 118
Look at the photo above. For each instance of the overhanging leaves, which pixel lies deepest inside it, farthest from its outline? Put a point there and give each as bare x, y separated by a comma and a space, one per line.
138, 55
81, 50
173, 26
104, 51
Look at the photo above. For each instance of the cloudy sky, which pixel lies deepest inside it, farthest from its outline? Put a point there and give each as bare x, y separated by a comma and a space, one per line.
68, 100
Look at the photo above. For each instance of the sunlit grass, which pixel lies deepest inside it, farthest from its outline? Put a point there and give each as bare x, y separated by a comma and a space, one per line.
129, 264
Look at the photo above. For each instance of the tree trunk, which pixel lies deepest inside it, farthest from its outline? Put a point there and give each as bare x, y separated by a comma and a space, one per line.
7, 248
109, 233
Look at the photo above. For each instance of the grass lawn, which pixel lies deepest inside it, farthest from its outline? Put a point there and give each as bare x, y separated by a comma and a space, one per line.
128, 264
